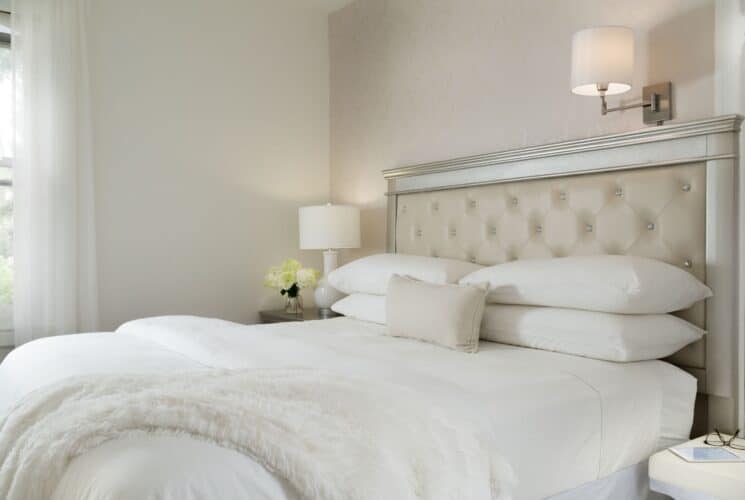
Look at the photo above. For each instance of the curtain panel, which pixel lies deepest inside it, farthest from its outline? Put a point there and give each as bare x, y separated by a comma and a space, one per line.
55, 287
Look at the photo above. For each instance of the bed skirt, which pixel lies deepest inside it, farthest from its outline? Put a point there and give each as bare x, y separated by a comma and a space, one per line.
625, 484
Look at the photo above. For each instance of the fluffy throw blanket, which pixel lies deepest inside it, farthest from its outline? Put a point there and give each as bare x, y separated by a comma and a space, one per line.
331, 437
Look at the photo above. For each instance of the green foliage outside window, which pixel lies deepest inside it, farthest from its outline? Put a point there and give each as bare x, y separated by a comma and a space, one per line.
6, 189
6, 238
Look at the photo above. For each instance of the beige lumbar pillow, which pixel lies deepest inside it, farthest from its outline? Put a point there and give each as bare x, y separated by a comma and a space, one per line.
447, 315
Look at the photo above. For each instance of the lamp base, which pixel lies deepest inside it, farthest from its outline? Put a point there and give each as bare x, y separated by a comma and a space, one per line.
325, 295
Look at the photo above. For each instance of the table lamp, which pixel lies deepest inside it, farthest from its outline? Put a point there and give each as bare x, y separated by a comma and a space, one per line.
329, 227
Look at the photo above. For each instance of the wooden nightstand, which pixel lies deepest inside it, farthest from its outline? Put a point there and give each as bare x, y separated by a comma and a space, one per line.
673, 476
280, 316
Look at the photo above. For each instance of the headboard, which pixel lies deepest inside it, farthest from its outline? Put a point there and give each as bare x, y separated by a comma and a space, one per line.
666, 192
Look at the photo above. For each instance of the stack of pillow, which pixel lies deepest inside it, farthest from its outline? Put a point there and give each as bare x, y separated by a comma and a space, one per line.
607, 307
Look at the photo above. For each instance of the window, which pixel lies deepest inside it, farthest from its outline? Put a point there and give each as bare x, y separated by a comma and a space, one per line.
6, 183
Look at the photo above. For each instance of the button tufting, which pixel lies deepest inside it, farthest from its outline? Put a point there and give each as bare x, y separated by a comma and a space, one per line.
606, 214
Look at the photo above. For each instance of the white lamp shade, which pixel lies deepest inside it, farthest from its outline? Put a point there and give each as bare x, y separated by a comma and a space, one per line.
329, 226
603, 55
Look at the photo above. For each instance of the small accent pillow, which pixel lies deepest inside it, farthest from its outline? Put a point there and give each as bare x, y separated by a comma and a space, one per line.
612, 337
362, 306
605, 283
371, 274
447, 315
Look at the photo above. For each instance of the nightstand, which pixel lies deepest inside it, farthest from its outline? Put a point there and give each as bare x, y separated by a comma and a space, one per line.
280, 316
673, 476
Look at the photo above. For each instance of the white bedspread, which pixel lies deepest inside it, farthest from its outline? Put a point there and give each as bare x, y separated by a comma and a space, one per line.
560, 420
332, 437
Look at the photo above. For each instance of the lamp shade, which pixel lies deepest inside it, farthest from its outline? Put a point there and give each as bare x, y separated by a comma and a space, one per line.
602, 56
329, 226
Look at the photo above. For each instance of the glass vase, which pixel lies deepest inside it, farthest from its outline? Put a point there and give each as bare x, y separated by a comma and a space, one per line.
294, 305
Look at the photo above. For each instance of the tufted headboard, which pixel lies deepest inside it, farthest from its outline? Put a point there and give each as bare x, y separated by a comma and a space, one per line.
664, 192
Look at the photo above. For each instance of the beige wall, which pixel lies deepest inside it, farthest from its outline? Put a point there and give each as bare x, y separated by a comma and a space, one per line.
212, 124
211, 128
423, 80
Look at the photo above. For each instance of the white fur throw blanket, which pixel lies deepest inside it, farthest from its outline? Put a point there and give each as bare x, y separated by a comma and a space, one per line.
331, 437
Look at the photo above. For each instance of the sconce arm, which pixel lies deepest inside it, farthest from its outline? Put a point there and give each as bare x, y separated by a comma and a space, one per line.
654, 104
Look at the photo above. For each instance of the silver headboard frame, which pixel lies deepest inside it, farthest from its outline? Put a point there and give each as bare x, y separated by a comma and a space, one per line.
704, 148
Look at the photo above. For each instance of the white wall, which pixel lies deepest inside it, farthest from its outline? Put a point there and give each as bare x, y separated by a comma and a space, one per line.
730, 56
424, 80
211, 128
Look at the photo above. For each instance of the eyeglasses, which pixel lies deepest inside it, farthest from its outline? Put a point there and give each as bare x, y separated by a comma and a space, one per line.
716, 439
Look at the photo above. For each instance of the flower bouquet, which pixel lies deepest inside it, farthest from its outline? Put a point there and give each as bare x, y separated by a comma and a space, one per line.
289, 278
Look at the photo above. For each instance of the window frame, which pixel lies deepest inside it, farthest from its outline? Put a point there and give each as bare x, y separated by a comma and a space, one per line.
7, 339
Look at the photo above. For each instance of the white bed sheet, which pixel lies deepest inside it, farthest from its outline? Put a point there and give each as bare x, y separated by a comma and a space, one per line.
561, 420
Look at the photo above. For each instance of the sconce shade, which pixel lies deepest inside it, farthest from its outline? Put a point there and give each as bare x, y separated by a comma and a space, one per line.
602, 56
329, 226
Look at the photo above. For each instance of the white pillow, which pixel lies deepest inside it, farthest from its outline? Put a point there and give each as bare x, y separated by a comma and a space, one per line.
447, 315
612, 337
371, 274
607, 283
362, 306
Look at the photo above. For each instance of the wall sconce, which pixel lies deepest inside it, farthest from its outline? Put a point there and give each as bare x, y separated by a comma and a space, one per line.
603, 65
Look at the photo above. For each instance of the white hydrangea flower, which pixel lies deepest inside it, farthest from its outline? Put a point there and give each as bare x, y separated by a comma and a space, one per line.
289, 273
307, 277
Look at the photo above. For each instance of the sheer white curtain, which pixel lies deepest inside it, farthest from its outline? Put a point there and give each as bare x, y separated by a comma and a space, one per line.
55, 288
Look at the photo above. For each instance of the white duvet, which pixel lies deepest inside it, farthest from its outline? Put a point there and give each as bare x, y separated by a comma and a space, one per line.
559, 420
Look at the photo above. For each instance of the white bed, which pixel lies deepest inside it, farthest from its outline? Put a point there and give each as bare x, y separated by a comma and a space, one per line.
561, 421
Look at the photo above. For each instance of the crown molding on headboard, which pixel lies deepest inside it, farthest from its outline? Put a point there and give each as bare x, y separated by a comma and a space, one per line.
720, 124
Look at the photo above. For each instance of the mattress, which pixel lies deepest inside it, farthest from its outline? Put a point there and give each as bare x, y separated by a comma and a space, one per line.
561, 421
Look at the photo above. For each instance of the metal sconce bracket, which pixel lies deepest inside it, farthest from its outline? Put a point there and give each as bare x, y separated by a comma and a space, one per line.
656, 103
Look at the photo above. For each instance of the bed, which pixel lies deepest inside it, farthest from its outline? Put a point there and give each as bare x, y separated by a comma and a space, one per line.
563, 427
558, 417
